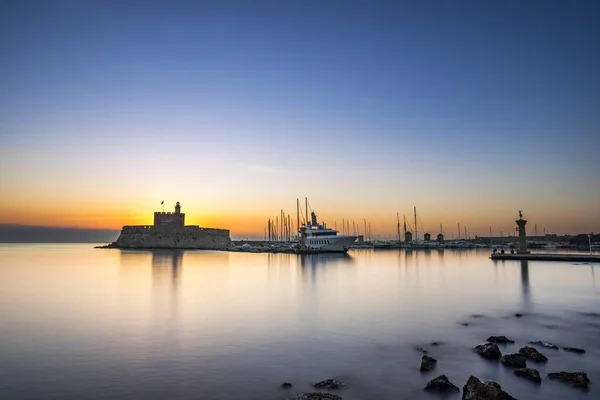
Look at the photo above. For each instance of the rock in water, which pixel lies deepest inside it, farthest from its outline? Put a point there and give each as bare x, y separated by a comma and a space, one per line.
474, 389
427, 363
515, 360
529, 373
316, 396
488, 350
500, 339
576, 379
532, 354
421, 350
545, 344
574, 350
286, 385
330, 384
441, 384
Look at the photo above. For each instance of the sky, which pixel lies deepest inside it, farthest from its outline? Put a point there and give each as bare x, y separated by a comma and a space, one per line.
468, 110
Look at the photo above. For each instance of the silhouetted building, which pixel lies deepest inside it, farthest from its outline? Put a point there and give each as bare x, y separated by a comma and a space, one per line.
440, 237
408, 237
427, 237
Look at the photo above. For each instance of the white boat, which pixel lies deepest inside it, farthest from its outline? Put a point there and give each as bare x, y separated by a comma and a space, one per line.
319, 237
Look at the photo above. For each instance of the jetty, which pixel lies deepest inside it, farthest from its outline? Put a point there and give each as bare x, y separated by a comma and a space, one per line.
548, 257
526, 255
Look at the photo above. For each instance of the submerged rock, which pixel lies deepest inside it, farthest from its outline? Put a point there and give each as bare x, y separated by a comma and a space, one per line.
436, 343
532, 354
488, 350
474, 389
529, 373
575, 379
428, 363
286, 385
518, 315
499, 339
316, 396
515, 360
441, 384
330, 384
421, 350
547, 345
574, 350
464, 323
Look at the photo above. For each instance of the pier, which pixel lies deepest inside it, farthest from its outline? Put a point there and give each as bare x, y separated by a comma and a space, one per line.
548, 257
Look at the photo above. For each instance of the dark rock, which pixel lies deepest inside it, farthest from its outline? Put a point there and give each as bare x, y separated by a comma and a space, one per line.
330, 384
488, 350
474, 389
574, 350
464, 323
514, 360
316, 396
499, 339
592, 314
529, 373
436, 343
428, 363
286, 385
576, 379
518, 315
544, 344
421, 350
477, 316
532, 354
441, 384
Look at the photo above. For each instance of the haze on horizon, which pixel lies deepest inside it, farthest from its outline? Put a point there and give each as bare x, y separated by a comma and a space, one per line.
468, 110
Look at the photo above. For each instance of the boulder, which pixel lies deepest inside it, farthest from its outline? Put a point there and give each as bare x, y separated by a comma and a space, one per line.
428, 363
316, 396
499, 339
441, 384
330, 384
488, 350
436, 343
533, 354
474, 389
544, 344
421, 350
575, 379
529, 373
515, 360
518, 315
286, 385
574, 350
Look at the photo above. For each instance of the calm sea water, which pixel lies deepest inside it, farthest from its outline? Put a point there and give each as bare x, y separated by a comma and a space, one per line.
84, 323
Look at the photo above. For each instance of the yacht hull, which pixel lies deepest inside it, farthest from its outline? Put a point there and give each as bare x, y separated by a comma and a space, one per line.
330, 244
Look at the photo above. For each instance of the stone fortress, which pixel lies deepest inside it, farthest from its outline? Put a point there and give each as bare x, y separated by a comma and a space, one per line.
170, 232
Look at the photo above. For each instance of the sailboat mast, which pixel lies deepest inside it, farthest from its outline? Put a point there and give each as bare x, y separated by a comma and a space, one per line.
398, 218
298, 214
416, 229
306, 210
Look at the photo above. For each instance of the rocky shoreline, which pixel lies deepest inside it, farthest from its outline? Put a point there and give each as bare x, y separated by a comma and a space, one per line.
474, 388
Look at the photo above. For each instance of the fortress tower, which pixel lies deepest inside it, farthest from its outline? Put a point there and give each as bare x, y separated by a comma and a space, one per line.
170, 219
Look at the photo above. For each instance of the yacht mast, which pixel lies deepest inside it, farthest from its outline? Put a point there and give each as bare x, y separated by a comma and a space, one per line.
398, 218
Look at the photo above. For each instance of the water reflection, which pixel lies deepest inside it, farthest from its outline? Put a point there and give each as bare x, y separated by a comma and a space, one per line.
525, 284
321, 260
166, 268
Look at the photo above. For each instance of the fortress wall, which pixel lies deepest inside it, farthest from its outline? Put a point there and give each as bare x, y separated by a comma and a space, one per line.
173, 237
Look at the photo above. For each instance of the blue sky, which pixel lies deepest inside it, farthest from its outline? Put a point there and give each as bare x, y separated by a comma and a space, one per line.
368, 108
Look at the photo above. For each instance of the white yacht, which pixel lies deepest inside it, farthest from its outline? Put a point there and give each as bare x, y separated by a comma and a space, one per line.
319, 237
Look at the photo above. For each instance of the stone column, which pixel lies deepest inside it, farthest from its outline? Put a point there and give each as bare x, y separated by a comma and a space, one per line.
522, 236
